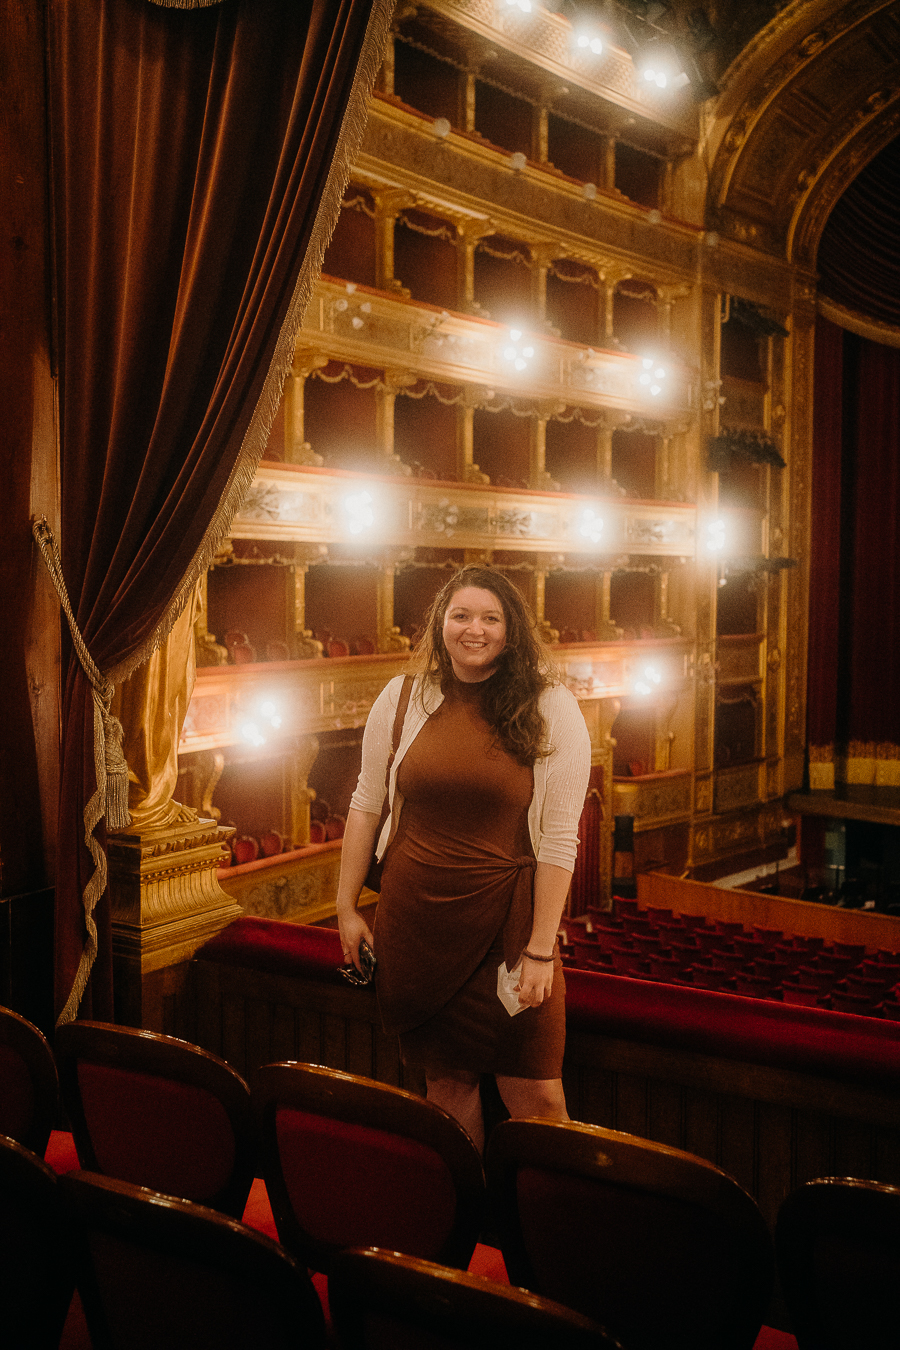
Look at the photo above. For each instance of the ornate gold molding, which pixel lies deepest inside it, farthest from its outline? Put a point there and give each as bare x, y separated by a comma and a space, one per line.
887, 334
409, 341
288, 502
165, 900
336, 693
809, 102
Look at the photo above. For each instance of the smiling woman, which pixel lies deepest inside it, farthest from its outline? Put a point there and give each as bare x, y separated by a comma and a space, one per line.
485, 793
474, 633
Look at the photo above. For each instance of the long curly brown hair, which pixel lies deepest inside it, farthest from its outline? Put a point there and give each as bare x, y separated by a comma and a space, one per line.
510, 702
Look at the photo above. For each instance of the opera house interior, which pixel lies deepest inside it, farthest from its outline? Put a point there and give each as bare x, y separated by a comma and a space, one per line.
305, 305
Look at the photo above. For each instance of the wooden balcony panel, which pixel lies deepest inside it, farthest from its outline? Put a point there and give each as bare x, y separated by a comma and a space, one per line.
312, 697
463, 173
745, 404
740, 658
374, 328
654, 798
330, 695
294, 502
522, 41
612, 669
738, 787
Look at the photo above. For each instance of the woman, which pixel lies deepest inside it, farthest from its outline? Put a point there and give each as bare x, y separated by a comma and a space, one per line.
486, 791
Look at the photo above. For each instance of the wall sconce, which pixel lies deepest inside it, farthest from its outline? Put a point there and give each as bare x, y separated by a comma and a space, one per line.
267, 719
715, 536
652, 376
649, 680
587, 41
659, 66
591, 525
518, 354
360, 515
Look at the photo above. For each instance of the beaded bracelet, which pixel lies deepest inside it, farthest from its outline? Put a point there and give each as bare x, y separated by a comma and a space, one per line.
531, 957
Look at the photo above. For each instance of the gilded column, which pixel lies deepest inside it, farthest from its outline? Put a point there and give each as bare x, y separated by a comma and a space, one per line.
539, 135
388, 206
305, 646
467, 471
385, 398
390, 639
468, 233
300, 794
604, 625
538, 477
297, 449
207, 652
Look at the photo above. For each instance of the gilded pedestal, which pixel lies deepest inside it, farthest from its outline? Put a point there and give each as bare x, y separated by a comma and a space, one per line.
165, 903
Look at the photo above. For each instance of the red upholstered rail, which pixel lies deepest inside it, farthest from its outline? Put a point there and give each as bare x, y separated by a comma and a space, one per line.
844, 1046
862, 1050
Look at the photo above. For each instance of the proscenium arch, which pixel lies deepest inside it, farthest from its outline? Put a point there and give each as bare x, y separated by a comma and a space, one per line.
803, 110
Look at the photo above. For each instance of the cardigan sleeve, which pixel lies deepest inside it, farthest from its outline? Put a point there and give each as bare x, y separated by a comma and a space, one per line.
567, 769
376, 749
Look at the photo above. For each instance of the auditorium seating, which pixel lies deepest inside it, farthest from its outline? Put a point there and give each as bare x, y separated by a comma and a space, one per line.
158, 1112
29, 1089
349, 1162
837, 1242
381, 1300
663, 1247
155, 1271
36, 1275
774, 1094
654, 943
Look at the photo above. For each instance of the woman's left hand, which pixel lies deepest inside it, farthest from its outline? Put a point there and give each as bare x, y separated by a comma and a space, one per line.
535, 982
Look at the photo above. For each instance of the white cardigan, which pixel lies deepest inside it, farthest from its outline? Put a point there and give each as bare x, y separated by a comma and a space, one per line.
560, 778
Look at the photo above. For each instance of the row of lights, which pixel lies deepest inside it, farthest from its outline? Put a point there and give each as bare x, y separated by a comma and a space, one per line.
658, 63
359, 511
518, 353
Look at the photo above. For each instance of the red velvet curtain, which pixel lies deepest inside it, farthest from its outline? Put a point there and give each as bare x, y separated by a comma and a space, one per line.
854, 630
825, 559
871, 637
199, 158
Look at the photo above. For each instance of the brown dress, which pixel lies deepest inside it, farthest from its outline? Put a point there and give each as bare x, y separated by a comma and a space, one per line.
457, 900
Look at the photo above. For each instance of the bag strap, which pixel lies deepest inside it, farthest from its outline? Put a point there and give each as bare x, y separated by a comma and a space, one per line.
399, 719
397, 732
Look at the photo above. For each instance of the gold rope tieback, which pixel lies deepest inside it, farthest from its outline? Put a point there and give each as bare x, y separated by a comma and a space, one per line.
110, 768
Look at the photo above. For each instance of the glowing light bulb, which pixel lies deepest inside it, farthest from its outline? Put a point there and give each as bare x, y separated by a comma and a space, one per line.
715, 536
360, 513
591, 525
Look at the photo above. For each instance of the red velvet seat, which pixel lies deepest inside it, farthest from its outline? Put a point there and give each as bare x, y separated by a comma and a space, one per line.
278, 651
658, 1245
837, 1242
381, 1300
29, 1090
349, 1162
155, 1111
36, 1275
158, 1273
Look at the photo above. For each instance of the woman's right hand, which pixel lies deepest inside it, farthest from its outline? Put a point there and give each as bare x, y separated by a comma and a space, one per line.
356, 854
353, 929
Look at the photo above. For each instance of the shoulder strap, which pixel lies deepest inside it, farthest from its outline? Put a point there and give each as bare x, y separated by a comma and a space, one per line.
400, 715
397, 732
